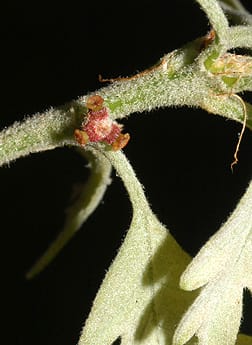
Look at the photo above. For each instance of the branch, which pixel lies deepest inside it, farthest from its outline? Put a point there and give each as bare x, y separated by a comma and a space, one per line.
240, 37
217, 18
179, 79
40, 132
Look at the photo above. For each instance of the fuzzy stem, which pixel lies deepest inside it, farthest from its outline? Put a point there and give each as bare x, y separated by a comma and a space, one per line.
132, 184
240, 36
216, 17
40, 132
178, 80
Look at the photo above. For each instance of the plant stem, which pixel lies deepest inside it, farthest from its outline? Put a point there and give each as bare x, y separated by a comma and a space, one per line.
240, 36
40, 132
216, 17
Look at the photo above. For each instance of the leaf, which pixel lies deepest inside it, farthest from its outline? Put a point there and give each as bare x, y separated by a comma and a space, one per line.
223, 268
139, 300
90, 196
236, 12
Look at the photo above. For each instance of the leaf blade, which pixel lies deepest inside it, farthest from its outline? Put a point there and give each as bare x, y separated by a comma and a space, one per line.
133, 301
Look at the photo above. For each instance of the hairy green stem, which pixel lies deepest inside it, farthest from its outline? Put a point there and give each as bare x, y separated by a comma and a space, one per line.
155, 89
216, 17
132, 184
180, 78
240, 36
40, 132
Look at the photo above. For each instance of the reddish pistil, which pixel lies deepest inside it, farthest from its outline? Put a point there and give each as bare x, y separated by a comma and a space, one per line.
99, 127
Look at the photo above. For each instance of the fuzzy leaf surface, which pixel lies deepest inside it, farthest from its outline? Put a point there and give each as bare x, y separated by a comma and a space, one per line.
139, 300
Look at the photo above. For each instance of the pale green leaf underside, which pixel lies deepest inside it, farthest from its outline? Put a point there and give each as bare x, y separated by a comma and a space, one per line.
89, 197
236, 12
223, 268
140, 299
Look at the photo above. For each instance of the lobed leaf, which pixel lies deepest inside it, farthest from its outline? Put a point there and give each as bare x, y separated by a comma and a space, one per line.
89, 197
139, 300
223, 268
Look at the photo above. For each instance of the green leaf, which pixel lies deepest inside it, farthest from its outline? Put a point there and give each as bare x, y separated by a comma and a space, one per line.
89, 197
139, 300
223, 269
236, 12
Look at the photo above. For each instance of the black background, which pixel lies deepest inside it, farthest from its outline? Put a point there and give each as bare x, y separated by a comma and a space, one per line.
52, 54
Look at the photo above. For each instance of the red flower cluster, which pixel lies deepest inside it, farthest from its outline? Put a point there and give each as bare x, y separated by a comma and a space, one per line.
99, 127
